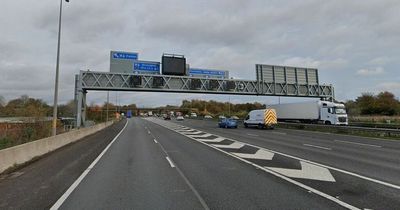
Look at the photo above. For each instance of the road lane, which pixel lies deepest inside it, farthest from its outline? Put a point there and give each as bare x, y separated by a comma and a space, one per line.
382, 163
39, 184
133, 174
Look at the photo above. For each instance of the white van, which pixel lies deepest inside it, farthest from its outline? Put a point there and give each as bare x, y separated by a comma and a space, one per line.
261, 118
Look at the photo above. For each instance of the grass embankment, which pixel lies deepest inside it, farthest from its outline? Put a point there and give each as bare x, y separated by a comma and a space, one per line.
376, 121
344, 130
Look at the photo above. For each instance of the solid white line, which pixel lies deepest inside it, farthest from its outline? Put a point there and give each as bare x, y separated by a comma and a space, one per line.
349, 142
170, 162
155, 141
319, 147
64, 197
249, 134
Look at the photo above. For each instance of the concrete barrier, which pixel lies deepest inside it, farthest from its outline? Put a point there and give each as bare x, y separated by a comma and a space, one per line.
23, 153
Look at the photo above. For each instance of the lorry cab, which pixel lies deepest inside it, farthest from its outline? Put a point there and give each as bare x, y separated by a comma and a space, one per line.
333, 113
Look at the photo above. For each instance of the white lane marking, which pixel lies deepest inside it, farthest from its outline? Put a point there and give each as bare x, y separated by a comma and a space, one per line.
307, 171
250, 134
201, 200
67, 193
260, 154
186, 129
277, 132
218, 139
192, 133
310, 189
155, 141
170, 162
318, 164
148, 132
234, 145
199, 136
315, 146
349, 142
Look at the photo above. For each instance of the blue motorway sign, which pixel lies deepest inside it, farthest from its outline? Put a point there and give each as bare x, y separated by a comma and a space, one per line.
124, 55
206, 72
142, 66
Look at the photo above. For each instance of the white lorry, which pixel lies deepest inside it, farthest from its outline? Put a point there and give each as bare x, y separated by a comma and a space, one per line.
326, 112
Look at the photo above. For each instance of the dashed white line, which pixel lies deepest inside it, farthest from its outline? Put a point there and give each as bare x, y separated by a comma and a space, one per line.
170, 162
349, 142
277, 132
250, 134
155, 141
319, 147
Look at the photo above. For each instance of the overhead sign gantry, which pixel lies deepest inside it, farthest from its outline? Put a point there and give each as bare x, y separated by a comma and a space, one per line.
270, 80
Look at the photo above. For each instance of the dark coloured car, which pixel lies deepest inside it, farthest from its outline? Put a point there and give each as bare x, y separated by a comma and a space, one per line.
227, 123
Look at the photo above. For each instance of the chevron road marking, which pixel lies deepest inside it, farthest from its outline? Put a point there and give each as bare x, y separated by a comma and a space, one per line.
307, 171
216, 140
260, 154
199, 136
192, 133
234, 145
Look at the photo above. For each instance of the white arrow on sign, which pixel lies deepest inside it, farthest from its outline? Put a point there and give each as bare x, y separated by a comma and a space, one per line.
307, 171
260, 154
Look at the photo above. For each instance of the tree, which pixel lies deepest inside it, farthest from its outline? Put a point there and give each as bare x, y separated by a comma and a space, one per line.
386, 103
67, 110
367, 103
26, 107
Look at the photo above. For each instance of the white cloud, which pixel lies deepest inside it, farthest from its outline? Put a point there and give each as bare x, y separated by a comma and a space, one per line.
337, 37
371, 72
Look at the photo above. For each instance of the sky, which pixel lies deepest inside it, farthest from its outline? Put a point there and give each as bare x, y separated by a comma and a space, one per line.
354, 44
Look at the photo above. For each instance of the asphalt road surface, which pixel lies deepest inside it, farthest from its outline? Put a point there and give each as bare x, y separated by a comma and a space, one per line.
192, 164
152, 167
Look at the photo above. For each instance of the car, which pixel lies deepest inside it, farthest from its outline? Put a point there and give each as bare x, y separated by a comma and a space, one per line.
180, 118
193, 115
186, 116
235, 117
208, 117
221, 117
227, 123
167, 117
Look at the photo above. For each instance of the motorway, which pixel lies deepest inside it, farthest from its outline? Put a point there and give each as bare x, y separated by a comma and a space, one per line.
192, 164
